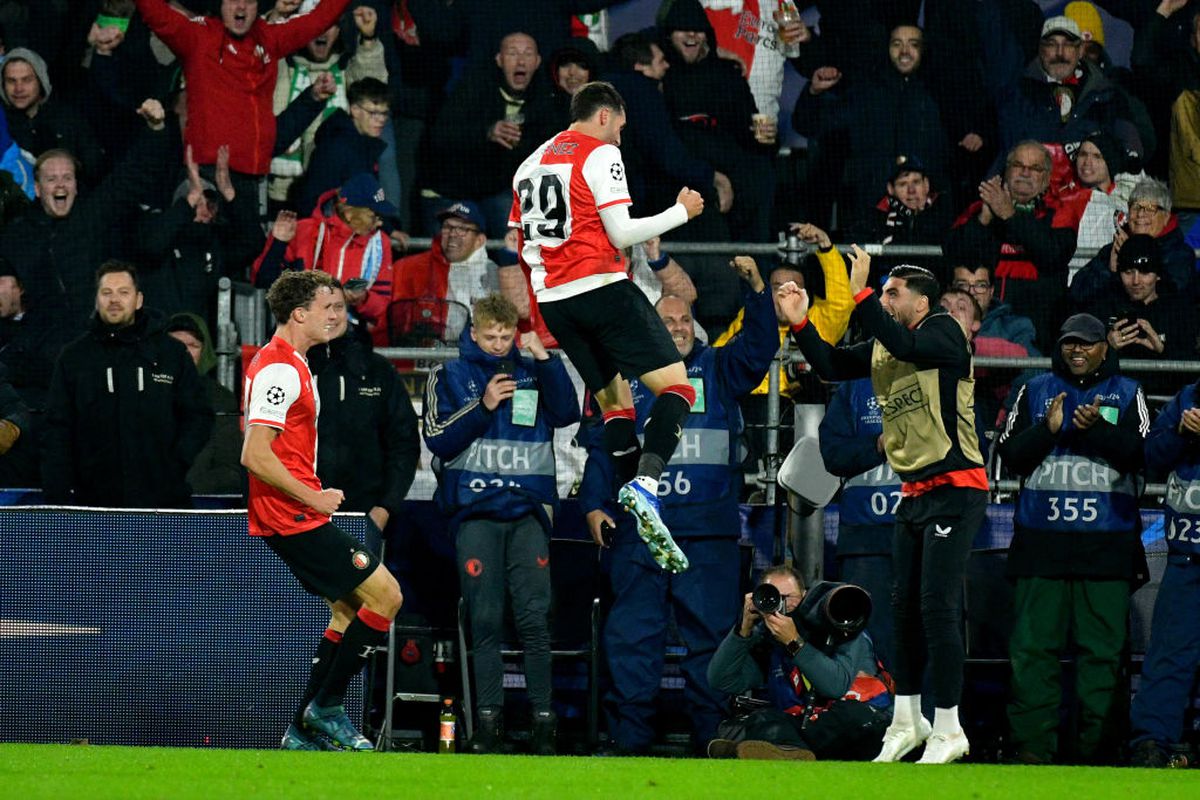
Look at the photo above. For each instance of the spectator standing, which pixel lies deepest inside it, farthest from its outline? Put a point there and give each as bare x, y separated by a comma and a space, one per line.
38, 123
713, 113
1075, 436
18, 438
893, 113
489, 420
58, 242
492, 122
347, 143
230, 65
217, 468
324, 54
1058, 96
1100, 195
910, 212
142, 383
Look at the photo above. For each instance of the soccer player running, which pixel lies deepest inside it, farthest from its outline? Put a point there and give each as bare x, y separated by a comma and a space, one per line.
291, 511
919, 363
571, 206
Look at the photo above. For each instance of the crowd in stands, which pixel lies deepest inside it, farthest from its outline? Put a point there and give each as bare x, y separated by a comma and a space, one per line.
149, 148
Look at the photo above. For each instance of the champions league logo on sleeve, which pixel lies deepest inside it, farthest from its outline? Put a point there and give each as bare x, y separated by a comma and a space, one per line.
276, 395
617, 170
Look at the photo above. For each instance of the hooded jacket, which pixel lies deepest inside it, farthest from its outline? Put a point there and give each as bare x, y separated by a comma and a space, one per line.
489, 466
126, 416
57, 257
1095, 281
324, 241
341, 153
1077, 513
231, 81
368, 443
55, 125
217, 468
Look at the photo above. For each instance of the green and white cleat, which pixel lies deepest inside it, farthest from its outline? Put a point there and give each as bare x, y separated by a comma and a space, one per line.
643, 505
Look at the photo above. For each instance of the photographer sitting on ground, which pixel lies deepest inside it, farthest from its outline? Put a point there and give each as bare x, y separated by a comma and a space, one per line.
830, 698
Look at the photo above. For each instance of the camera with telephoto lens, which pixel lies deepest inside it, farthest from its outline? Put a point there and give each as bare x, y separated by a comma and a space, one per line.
838, 611
766, 599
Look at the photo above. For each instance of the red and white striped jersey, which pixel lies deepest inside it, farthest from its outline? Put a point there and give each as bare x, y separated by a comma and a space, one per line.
279, 393
558, 193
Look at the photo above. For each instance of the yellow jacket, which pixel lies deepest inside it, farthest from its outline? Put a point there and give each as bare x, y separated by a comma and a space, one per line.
829, 316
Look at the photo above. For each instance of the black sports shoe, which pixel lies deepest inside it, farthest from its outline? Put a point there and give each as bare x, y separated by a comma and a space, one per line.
544, 741
1148, 753
489, 736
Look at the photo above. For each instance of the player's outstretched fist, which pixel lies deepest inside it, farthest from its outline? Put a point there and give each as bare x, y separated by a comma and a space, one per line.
692, 200
328, 501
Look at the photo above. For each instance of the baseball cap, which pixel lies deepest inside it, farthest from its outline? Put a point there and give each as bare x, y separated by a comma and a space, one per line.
1082, 328
364, 191
907, 164
464, 210
1061, 24
1140, 252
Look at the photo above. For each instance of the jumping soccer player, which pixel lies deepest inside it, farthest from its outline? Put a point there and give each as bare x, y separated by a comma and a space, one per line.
291, 511
571, 206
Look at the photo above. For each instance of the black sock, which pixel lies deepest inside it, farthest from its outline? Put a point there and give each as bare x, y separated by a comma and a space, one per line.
365, 633
661, 434
620, 440
322, 661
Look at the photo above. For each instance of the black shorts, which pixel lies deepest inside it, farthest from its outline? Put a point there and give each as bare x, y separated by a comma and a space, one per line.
610, 330
327, 561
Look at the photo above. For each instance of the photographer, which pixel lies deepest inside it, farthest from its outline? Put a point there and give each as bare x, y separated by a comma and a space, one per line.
830, 698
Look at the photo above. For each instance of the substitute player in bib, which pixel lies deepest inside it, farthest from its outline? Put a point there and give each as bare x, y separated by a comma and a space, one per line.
571, 206
291, 511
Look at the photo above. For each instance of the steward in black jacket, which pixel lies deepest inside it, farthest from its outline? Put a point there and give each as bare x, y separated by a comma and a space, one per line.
126, 416
367, 429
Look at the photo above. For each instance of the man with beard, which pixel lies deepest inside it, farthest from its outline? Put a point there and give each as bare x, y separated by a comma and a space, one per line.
1075, 436
127, 413
713, 112
325, 53
1011, 226
859, 112
919, 362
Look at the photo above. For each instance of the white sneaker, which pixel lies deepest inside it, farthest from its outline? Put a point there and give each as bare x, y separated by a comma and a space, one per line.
942, 748
899, 742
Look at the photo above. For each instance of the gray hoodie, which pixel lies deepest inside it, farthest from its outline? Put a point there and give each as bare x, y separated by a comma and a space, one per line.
39, 69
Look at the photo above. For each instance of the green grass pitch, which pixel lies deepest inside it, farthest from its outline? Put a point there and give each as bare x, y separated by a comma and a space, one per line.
91, 773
